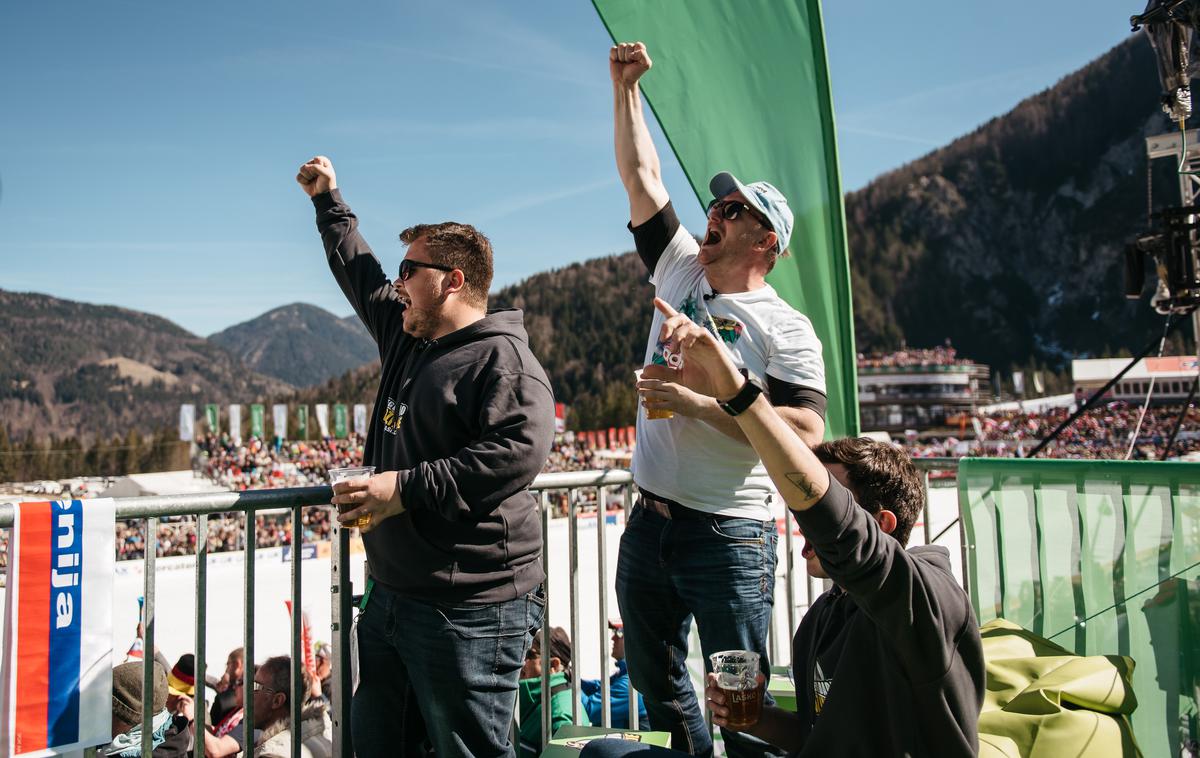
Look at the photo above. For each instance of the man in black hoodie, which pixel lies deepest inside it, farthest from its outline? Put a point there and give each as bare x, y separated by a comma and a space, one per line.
463, 422
888, 662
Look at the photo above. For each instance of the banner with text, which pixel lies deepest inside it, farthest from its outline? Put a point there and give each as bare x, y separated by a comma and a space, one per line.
56, 669
302, 422
235, 424
279, 417
187, 422
323, 419
360, 419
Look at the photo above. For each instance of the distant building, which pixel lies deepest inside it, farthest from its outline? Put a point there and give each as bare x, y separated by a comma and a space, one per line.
919, 389
1172, 376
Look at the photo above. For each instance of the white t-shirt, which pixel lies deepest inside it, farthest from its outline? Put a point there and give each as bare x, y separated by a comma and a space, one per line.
688, 460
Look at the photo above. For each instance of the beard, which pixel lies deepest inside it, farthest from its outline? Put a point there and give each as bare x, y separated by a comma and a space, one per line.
420, 322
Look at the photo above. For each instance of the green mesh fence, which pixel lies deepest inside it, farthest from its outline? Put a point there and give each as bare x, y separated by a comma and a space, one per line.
1101, 557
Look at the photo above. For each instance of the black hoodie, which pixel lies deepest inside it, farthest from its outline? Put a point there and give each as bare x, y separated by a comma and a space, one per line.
888, 662
467, 420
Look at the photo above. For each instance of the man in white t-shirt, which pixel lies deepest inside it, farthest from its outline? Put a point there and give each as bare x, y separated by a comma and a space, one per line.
701, 541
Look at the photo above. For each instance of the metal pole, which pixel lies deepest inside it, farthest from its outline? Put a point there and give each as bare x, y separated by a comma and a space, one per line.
573, 524
251, 537
341, 594
602, 620
546, 621
633, 695
925, 518
148, 634
297, 696
201, 625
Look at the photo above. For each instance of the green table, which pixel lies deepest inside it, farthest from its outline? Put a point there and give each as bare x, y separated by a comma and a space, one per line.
570, 739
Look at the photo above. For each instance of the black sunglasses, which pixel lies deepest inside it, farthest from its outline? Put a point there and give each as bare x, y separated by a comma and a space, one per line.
731, 209
407, 265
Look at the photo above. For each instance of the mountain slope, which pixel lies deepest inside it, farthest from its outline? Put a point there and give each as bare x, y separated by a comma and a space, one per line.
300, 344
71, 368
1009, 240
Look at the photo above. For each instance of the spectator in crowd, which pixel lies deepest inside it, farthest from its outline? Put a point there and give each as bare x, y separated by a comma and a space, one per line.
225, 735
181, 682
323, 679
272, 714
618, 689
896, 629
170, 737
530, 698
228, 685
462, 424
701, 541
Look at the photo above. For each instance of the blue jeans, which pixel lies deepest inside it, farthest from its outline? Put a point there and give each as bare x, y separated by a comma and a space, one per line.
720, 571
445, 670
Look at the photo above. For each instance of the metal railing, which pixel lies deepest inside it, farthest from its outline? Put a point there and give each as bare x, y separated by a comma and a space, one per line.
251, 502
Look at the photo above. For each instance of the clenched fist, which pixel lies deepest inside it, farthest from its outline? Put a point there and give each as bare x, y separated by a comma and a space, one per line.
317, 176
627, 61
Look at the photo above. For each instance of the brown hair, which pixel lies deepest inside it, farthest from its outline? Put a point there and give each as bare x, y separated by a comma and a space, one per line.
882, 477
461, 246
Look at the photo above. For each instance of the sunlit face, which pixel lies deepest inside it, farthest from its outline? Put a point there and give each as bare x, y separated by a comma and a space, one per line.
729, 238
422, 293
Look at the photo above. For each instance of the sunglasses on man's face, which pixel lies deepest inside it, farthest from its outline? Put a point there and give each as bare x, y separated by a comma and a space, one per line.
407, 266
731, 209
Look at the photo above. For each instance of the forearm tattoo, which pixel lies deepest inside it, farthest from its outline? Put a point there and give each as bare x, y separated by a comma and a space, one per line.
804, 484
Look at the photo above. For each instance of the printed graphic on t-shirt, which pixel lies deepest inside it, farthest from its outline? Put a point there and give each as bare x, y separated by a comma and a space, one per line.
393, 415
727, 329
820, 689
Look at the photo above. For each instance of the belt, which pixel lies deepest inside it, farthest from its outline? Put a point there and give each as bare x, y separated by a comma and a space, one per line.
669, 509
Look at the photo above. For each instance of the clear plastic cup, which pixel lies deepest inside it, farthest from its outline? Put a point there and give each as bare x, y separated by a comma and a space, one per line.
655, 413
737, 678
344, 475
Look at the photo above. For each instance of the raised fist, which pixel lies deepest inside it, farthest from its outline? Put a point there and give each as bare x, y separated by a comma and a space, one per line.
317, 176
627, 61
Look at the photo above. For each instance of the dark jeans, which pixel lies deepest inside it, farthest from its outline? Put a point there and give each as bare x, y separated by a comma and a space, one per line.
721, 571
446, 670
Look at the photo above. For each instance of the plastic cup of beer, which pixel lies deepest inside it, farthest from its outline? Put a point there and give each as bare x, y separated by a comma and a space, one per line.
737, 678
344, 475
653, 413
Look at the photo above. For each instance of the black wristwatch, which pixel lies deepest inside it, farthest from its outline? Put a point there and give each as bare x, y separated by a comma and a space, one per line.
745, 397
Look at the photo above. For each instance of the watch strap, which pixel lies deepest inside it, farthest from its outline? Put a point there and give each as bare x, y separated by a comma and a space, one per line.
744, 398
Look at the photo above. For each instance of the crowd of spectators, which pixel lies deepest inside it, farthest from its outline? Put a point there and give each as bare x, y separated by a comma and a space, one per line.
943, 355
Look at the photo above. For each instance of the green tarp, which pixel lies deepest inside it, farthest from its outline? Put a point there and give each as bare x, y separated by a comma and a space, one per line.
1102, 558
744, 87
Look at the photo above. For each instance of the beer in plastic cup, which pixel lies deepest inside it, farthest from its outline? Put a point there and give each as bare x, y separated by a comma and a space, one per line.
345, 474
654, 413
737, 678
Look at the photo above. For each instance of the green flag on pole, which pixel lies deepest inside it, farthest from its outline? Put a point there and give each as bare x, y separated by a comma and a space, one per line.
302, 422
256, 421
744, 87
341, 425
212, 416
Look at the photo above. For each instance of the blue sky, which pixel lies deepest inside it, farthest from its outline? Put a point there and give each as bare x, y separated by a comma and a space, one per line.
147, 149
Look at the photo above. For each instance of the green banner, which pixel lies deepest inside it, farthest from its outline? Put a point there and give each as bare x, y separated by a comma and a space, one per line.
341, 424
212, 416
744, 87
256, 421
302, 422
1102, 558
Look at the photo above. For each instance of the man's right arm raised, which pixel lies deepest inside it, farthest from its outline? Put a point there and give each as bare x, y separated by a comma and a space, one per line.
637, 160
354, 266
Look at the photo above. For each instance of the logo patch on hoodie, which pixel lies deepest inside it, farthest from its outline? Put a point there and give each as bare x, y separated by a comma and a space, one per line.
393, 415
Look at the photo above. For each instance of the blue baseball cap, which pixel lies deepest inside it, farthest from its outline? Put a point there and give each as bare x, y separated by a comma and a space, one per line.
764, 198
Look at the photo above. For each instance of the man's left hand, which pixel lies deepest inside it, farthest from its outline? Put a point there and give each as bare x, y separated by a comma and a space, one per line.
378, 496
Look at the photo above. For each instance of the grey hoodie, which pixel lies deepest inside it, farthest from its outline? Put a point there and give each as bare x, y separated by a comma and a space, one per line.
888, 662
467, 420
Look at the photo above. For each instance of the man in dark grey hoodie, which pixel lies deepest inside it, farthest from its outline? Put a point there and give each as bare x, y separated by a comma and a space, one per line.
463, 422
888, 662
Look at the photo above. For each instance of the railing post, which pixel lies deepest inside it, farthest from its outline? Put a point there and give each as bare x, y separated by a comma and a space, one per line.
573, 524
340, 627
545, 501
297, 696
927, 512
633, 695
148, 634
602, 621
251, 537
201, 624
